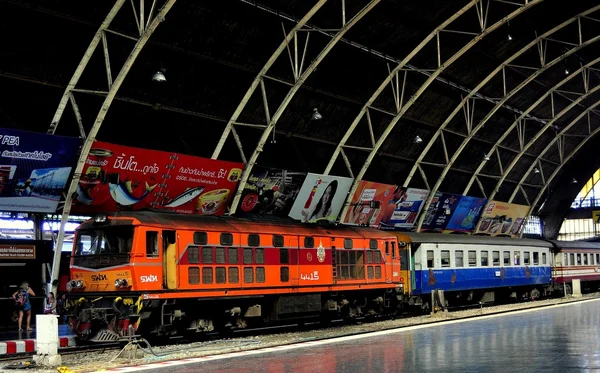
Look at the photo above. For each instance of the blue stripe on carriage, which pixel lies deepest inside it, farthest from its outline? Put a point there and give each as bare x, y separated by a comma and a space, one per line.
480, 278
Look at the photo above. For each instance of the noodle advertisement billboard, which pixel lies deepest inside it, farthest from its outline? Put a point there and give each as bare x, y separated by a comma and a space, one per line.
321, 197
34, 169
501, 218
117, 177
368, 204
270, 191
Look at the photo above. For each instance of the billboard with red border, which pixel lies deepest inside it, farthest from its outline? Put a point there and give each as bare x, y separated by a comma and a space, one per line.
117, 178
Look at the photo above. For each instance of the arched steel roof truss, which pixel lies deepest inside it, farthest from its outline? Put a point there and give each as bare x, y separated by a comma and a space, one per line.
398, 93
300, 77
473, 130
146, 29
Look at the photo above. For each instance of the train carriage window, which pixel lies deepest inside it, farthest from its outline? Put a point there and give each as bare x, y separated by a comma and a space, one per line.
484, 258
260, 256
445, 258
220, 275
234, 275
152, 244
472, 258
585, 259
220, 255
373, 244
226, 239
370, 272
592, 259
458, 258
248, 275
377, 257
253, 240
369, 257
506, 255
565, 259
348, 243
517, 258
207, 255
207, 275
496, 258
536, 258
544, 258
526, 258
193, 255
378, 269
284, 256
284, 274
193, 275
597, 258
232, 255
578, 259
277, 240
430, 259
247, 256
309, 242
200, 238
260, 274
572, 259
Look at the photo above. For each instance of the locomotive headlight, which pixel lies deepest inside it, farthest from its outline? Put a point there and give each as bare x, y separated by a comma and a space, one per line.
117, 282
124, 283
79, 284
100, 218
70, 285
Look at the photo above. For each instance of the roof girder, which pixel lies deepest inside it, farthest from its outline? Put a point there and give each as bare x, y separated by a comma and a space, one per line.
146, 30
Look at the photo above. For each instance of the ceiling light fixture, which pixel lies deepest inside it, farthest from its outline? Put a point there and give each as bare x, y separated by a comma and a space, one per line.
418, 140
316, 115
159, 76
486, 157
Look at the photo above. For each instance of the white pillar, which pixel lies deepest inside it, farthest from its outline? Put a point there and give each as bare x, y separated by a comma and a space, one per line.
576, 288
47, 341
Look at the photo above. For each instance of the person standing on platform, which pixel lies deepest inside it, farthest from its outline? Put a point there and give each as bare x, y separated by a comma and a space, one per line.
21, 298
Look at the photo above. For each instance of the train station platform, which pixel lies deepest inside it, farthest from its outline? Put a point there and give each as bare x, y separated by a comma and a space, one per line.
13, 341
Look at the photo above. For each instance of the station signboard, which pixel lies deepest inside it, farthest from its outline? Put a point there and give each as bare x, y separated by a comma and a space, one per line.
34, 170
117, 177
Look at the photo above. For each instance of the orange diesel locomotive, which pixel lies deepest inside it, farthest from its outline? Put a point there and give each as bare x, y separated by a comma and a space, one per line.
154, 273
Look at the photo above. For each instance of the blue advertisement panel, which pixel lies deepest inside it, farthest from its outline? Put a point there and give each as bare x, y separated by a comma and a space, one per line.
34, 169
439, 212
467, 214
402, 209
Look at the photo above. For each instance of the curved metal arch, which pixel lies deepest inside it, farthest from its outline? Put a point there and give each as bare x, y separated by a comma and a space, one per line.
481, 124
529, 109
566, 159
288, 98
259, 80
402, 110
486, 80
145, 34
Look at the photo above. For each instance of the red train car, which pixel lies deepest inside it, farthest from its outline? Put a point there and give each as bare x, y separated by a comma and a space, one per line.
166, 274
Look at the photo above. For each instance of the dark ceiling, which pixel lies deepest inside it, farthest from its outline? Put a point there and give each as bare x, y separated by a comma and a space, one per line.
212, 50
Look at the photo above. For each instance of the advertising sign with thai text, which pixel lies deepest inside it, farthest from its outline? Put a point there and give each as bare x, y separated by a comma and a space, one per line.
403, 208
34, 169
368, 204
270, 191
466, 214
117, 177
9, 251
321, 197
439, 212
501, 218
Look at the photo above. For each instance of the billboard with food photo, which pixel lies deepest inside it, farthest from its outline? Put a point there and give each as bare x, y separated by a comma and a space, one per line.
368, 204
321, 197
502, 219
117, 177
34, 170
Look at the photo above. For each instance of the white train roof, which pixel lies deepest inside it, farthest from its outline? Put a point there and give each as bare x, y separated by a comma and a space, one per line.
576, 244
468, 239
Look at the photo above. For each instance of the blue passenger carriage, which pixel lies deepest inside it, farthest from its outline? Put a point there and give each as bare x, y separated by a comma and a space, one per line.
476, 268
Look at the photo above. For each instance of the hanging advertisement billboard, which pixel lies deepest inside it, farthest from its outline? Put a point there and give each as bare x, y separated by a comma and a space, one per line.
34, 170
439, 212
501, 218
117, 177
402, 210
321, 197
368, 204
466, 214
270, 191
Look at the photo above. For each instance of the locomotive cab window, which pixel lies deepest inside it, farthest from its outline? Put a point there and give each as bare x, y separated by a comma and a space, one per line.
277, 241
373, 244
253, 240
226, 239
152, 244
200, 238
347, 243
309, 242
394, 253
387, 248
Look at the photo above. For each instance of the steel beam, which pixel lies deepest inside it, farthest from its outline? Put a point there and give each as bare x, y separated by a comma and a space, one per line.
500, 68
261, 75
91, 136
82, 65
420, 90
288, 98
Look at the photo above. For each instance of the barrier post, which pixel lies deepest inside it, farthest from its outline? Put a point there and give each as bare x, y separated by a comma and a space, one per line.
47, 341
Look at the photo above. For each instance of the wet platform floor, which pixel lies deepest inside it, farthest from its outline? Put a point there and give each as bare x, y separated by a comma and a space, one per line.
561, 339
13, 334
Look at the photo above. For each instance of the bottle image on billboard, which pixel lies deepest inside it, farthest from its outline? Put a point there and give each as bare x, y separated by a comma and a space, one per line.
312, 193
